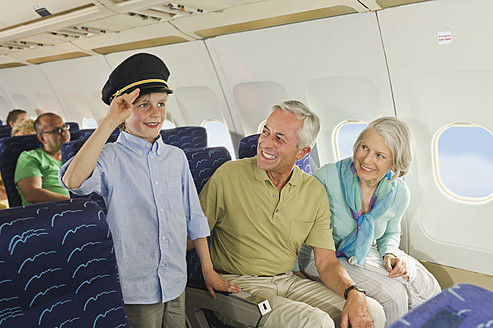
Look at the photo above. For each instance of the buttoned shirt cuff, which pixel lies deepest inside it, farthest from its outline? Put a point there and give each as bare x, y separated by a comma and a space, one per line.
198, 228
388, 249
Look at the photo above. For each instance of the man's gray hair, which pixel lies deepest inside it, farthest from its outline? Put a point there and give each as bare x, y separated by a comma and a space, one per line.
397, 137
311, 123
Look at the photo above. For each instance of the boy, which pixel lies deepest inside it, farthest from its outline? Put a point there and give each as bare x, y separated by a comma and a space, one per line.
149, 193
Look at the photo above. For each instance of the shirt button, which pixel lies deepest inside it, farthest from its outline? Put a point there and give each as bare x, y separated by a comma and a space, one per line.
277, 210
162, 265
140, 152
163, 238
274, 195
157, 182
161, 210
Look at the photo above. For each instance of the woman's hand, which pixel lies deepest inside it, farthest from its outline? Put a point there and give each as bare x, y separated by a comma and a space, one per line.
395, 266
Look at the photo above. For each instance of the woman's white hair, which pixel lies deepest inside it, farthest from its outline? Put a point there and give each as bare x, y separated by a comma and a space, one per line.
397, 137
311, 123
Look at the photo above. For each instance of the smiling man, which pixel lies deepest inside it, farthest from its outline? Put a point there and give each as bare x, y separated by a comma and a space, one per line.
263, 208
36, 173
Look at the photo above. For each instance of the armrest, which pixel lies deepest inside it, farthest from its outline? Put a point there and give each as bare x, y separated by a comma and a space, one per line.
241, 307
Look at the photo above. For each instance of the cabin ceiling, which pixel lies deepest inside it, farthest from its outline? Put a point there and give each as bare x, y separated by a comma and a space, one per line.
38, 31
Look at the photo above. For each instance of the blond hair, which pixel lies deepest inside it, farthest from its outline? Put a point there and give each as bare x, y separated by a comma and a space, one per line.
24, 128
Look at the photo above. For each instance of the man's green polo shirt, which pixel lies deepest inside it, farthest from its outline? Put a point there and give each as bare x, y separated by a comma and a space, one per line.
257, 230
37, 163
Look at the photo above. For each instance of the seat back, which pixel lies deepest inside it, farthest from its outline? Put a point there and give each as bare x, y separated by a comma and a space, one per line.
86, 133
248, 148
200, 307
203, 162
73, 126
186, 137
58, 268
5, 131
10, 149
462, 305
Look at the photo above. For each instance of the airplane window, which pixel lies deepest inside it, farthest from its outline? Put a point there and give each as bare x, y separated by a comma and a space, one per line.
218, 135
463, 162
90, 123
168, 125
345, 136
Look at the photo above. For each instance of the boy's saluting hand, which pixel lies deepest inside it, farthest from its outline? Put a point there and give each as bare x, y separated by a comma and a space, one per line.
121, 107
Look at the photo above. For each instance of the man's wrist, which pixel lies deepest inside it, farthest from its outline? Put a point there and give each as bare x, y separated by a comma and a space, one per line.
353, 287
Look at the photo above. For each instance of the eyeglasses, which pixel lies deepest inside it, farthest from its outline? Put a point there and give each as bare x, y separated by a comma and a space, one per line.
58, 130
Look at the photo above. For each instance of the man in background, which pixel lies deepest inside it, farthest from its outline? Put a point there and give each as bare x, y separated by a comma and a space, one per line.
36, 174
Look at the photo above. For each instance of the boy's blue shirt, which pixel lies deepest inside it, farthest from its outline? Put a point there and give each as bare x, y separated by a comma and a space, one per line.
152, 208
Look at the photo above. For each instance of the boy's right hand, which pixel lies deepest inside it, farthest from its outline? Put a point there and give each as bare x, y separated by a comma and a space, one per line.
121, 107
213, 281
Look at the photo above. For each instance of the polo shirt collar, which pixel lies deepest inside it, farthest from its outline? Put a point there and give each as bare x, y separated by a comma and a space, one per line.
140, 146
261, 175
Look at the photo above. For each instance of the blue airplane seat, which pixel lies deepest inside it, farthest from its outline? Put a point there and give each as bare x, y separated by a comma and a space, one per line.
10, 149
248, 148
86, 133
5, 131
462, 306
203, 162
241, 307
58, 267
72, 126
185, 137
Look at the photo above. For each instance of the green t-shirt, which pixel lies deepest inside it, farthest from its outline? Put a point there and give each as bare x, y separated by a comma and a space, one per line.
37, 163
257, 230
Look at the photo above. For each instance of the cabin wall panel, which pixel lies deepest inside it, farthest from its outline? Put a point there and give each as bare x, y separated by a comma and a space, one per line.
28, 88
435, 85
76, 83
335, 65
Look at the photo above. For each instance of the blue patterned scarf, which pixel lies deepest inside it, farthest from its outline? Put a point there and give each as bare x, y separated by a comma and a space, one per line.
358, 243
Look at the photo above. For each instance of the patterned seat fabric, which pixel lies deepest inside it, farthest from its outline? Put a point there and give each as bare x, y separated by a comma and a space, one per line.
462, 305
185, 137
10, 149
203, 163
58, 268
86, 133
248, 148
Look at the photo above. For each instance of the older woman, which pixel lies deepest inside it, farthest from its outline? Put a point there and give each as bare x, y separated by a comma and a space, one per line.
367, 200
